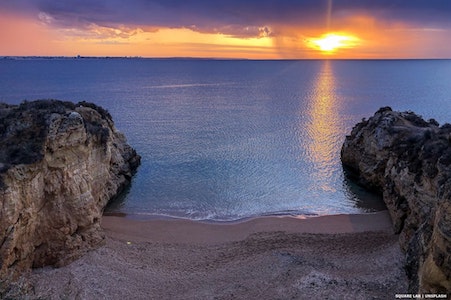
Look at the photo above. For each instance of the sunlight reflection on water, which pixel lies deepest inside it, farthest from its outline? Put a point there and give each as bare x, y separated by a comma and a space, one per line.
323, 128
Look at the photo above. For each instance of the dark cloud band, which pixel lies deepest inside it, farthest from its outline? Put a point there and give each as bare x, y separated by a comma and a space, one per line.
234, 17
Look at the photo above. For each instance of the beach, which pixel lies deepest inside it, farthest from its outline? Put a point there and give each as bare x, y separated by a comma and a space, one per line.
274, 257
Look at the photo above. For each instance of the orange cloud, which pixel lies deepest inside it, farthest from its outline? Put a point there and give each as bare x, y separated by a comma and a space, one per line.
164, 42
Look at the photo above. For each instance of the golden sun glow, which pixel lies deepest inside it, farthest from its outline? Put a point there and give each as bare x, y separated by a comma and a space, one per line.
331, 42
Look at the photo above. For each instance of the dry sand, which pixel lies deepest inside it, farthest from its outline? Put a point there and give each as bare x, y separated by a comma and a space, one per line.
331, 257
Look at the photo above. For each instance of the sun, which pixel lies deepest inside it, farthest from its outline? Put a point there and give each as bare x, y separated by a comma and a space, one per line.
330, 42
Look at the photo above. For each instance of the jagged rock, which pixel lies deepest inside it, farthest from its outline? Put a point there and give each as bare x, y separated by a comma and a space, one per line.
408, 161
60, 163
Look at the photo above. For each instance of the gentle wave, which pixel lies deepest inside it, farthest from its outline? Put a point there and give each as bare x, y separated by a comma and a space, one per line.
186, 85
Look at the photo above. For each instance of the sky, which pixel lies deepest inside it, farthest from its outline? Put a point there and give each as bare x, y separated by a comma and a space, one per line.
259, 29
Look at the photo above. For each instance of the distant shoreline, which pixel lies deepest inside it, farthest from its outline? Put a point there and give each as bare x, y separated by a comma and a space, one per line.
80, 57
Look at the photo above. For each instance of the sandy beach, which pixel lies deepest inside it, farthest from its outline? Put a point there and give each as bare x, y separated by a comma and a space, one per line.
329, 257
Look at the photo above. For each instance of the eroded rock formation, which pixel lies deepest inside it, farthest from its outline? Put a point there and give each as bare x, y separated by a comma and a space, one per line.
60, 163
408, 160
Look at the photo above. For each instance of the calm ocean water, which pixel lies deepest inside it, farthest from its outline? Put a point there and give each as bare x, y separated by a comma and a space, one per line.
225, 140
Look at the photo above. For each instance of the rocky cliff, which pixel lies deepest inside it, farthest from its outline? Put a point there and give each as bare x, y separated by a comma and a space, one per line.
60, 164
408, 161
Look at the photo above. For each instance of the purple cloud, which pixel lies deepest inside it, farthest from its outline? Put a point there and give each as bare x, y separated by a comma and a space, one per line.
235, 17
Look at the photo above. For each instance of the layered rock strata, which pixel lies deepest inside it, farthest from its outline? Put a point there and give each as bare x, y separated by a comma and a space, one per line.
408, 161
60, 164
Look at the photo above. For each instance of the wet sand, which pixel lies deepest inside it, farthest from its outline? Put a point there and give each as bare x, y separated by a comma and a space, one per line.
339, 257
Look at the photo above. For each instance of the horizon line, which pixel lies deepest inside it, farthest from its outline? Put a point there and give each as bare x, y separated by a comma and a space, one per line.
198, 58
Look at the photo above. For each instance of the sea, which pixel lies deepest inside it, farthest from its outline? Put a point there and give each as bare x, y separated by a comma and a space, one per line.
224, 140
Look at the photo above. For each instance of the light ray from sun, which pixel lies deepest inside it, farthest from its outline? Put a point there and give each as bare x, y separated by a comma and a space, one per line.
328, 13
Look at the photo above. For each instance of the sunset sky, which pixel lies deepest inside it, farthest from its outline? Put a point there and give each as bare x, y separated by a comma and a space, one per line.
265, 29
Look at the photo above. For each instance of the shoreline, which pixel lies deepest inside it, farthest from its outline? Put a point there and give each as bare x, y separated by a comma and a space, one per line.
345, 256
178, 230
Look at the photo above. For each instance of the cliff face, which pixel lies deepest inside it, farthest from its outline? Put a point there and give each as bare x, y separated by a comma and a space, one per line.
60, 164
408, 160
